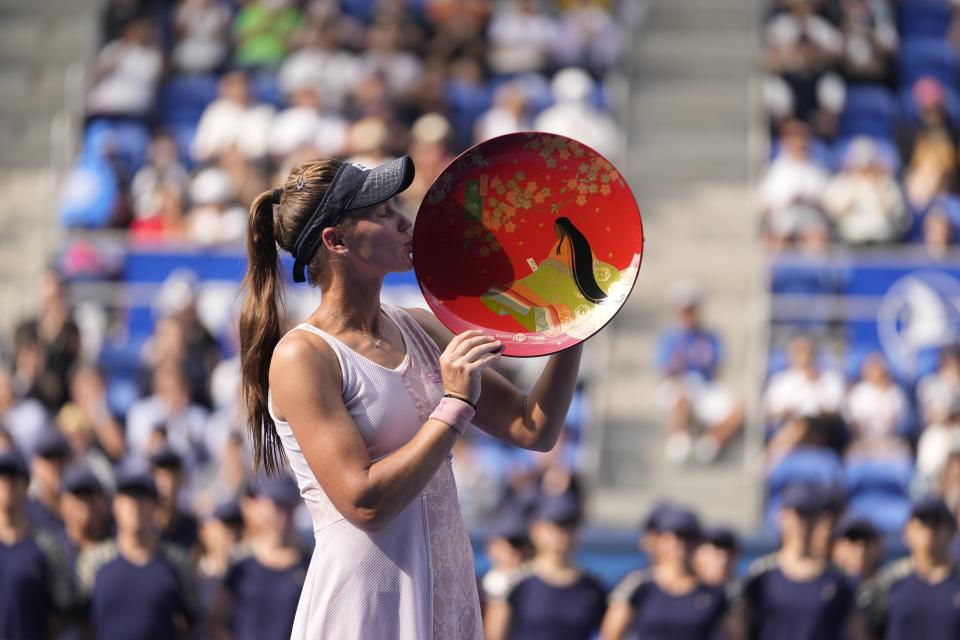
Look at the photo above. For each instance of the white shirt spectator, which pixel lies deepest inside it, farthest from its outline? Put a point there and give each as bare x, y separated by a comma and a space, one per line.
184, 428
302, 127
793, 392
225, 124
333, 74
786, 30
574, 117
25, 421
130, 74
933, 450
876, 411
790, 180
203, 40
520, 38
936, 394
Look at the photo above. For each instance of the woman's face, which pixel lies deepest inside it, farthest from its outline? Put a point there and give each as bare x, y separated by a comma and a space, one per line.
381, 239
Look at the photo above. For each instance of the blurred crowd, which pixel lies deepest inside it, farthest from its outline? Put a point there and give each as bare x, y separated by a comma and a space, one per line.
197, 106
862, 104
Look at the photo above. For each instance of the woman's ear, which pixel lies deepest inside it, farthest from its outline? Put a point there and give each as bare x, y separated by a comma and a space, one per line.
333, 241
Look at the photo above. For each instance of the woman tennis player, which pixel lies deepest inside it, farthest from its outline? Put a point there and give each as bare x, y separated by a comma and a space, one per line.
364, 401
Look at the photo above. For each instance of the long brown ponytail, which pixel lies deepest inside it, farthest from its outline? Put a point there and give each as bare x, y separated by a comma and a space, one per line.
261, 312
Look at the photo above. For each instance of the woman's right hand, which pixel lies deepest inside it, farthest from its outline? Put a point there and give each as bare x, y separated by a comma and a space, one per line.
462, 362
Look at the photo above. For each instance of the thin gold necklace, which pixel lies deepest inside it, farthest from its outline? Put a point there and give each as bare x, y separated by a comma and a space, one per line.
377, 342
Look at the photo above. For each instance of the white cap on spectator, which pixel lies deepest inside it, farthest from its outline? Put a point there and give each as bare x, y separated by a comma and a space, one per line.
178, 291
430, 128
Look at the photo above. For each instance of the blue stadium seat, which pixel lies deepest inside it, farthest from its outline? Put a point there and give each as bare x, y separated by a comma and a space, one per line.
265, 88
926, 57
127, 140
182, 99
869, 110
802, 465
879, 475
923, 18
89, 195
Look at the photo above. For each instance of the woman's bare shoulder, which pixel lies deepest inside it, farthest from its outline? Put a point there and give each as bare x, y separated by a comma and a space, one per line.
301, 356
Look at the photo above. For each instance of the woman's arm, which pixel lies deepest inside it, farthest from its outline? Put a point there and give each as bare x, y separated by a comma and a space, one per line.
532, 421
305, 383
617, 621
496, 622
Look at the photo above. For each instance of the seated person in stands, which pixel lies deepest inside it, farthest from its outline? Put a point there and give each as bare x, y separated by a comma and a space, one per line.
791, 191
688, 357
876, 406
804, 388
553, 598
669, 600
916, 597
795, 593
864, 200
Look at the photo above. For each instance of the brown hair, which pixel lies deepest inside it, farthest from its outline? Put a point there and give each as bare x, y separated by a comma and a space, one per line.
261, 311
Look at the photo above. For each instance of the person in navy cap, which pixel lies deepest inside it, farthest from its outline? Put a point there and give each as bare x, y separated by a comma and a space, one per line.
262, 586
667, 601
919, 596
51, 455
34, 584
651, 529
86, 518
176, 525
552, 598
136, 585
715, 559
796, 593
508, 547
857, 548
220, 535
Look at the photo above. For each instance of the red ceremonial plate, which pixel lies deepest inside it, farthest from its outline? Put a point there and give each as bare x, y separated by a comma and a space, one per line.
532, 237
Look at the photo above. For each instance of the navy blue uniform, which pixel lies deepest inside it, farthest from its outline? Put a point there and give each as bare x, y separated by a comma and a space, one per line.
263, 600
133, 601
540, 610
183, 531
41, 517
658, 615
781, 609
899, 605
34, 586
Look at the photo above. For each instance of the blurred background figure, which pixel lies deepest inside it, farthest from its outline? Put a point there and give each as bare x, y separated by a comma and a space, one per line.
917, 596
668, 600
50, 457
715, 558
220, 535
135, 585
34, 581
553, 598
689, 357
177, 525
796, 592
857, 549
260, 590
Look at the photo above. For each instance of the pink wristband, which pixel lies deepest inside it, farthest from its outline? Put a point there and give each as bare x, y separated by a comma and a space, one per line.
454, 413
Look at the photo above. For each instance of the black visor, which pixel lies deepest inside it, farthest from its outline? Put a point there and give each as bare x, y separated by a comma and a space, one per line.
354, 187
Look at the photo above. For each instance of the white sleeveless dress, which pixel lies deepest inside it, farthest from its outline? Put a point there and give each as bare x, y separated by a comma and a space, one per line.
414, 579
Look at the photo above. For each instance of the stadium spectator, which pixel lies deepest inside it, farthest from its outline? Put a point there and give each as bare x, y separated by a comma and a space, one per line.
162, 177
668, 600
937, 441
308, 126
869, 41
587, 36
201, 36
507, 548
50, 457
430, 138
214, 217
234, 119
715, 559
936, 391
574, 116
864, 199
554, 598
320, 64
688, 358
135, 585
796, 593
262, 587
220, 534
167, 416
804, 388
802, 49
916, 597
126, 74
176, 525
927, 142
383, 58
507, 114
23, 419
857, 549
34, 582
521, 37
791, 191
876, 406
95, 434
263, 32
